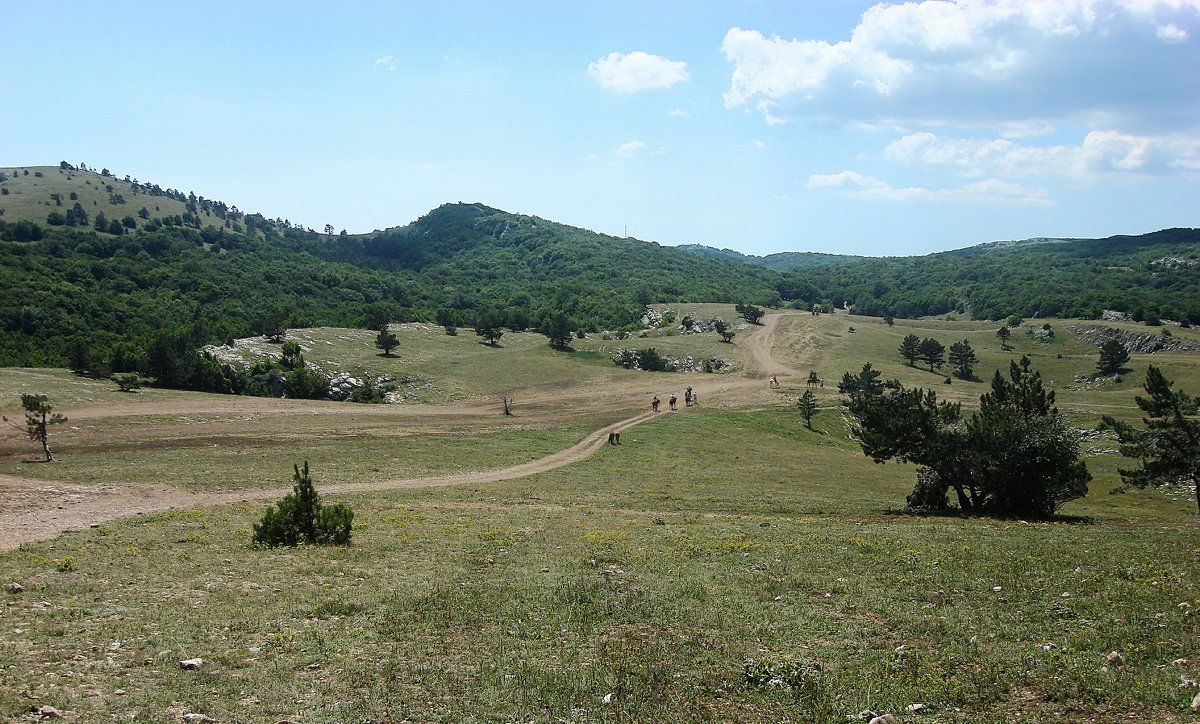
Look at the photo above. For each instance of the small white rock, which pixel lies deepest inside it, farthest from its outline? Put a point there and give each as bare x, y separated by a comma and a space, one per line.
915, 708
14, 588
191, 664
1196, 703
198, 719
607, 698
48, 712
1115, 658
883, 719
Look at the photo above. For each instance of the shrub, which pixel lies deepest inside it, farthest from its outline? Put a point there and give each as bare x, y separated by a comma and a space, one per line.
300, 518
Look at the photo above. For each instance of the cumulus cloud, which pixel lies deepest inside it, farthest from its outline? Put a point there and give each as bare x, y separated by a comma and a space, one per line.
978, 62
630, 147
1099, 152
1172, 33
387, 61
989, 191
637, 71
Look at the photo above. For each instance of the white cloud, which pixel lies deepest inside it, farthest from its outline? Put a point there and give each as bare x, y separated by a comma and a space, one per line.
387, 61
637, 71
759, 144
989, 191
1172, 33
1099, 152
677, 113
981, 62
630, 147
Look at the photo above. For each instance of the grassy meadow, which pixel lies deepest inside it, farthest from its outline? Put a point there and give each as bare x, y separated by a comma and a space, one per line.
32, 190
721, 564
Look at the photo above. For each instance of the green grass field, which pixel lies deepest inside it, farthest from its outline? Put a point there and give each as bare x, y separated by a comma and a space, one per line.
719, 565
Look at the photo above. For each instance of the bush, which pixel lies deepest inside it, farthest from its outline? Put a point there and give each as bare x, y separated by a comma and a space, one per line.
300, 518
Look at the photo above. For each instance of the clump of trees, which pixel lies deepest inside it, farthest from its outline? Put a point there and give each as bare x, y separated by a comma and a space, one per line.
1014, 457
722, 328
749, 312
301, 518
1169, 447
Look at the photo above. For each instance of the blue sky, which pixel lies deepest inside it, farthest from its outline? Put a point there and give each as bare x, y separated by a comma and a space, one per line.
837, 126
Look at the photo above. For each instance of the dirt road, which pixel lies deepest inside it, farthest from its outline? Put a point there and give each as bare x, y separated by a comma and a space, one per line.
32, 510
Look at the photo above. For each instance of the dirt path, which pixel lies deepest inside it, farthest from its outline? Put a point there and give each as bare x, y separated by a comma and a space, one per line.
33, 510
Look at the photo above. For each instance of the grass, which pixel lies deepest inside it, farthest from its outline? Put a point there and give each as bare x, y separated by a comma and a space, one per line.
718, 565
30, 196
257, 458
441, 368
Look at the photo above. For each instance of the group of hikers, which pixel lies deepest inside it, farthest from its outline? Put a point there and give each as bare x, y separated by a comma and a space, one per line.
689, 398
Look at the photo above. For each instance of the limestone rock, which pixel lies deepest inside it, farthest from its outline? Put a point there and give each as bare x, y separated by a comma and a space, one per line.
14, 588
48, 712
191, 664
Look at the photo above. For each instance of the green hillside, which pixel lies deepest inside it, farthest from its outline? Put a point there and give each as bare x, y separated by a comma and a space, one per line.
109, 298
107, 273
783, 261
1151, 276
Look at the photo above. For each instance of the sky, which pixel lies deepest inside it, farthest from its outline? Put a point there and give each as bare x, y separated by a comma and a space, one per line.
833, 126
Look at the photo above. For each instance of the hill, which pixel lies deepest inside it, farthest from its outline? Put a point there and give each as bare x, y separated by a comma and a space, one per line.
781, 261
102, 272
170, 281
1150, 277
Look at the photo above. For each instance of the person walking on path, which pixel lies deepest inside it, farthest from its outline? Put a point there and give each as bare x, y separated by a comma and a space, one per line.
672, 400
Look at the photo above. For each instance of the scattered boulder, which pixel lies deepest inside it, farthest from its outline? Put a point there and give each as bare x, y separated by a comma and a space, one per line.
14, 588
198, 719
48, 712
883, 719
1115, 658
191, 664
652, 317
1133, 341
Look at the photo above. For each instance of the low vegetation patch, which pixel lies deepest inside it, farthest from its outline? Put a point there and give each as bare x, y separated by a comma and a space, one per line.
301, 518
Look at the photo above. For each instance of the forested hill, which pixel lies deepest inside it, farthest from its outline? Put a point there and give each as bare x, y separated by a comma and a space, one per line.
783, 261
1149, 276
97, 267
104, 268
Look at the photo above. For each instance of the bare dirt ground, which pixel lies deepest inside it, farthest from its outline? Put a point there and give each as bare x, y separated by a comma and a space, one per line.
32, 510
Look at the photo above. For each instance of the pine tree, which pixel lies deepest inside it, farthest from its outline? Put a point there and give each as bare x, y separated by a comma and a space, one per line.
39, 416
1113, 356
932, 353
808, 407
910, 349
386, 341
1169, 447
963, 359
